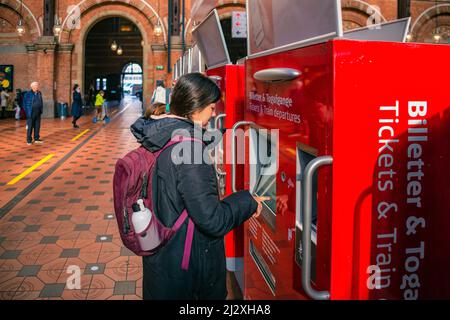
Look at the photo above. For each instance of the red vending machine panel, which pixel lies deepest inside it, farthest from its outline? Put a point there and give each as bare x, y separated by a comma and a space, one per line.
350, 139
231, 80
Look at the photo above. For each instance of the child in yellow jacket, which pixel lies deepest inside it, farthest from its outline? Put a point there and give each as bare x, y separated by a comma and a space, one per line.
99, 101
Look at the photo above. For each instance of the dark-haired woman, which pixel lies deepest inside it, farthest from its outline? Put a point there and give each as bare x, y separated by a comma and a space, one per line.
77, 105
156, 109
192, 186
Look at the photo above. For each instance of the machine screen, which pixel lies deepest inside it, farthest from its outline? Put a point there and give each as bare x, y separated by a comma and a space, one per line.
211, 42
266, 186
195, 59
265, 174
273, 24
186, 62
390, 31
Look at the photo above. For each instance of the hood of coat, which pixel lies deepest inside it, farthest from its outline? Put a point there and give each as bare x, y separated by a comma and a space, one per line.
154, 134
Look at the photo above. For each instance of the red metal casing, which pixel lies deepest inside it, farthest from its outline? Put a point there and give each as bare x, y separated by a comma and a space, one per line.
231, 80
383, 229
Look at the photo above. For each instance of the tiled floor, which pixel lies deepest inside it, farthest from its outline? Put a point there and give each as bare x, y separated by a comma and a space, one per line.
66, 221
52, 228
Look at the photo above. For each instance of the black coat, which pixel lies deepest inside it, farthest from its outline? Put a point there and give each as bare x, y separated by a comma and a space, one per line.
194, 187
77, 104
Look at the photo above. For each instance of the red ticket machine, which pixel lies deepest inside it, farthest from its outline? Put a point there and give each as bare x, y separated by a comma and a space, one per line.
351, 140
231, 80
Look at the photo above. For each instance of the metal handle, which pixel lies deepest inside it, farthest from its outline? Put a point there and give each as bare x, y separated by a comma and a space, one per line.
216, 120
233, 152
310, 169
277, 74
216, 125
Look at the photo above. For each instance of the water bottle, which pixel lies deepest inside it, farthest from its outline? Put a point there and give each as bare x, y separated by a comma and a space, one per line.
141, 219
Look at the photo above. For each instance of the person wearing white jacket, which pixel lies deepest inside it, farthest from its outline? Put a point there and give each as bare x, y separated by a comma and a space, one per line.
4, 102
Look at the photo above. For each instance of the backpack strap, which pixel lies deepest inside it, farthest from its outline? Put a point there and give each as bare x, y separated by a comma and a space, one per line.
189, 238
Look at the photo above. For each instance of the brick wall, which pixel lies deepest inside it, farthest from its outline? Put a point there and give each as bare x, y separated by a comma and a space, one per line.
68, 63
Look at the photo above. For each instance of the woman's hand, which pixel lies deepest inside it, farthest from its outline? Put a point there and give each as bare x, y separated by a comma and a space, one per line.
260, 201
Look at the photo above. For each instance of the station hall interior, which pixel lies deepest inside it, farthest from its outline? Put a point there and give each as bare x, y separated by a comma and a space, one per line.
56, 192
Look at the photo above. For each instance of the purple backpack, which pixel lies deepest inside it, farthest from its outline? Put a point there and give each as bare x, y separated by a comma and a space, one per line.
133, 178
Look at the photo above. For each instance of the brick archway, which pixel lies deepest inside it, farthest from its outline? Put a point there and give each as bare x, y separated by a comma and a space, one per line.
31, 23
225, 10
423, 26
85, 6
356, 14
89, 21
11, 17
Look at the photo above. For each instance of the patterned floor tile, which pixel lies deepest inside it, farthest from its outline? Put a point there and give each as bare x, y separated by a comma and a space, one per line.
53, 290
29, 271
57, 225
125, 288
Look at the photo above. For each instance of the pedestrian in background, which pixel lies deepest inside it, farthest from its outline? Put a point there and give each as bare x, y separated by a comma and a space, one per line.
18, 103
99, 101
91, 95
34, 107
4, 101
157, 109
77, 105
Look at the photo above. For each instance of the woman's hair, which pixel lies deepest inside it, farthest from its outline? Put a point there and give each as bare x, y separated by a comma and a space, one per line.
101, 91
75, 87
156, 109
193, 92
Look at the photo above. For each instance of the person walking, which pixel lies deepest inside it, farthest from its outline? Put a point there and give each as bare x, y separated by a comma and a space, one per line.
91, 96
192, 106
18, 103
34, 107
157, 109
99, 101
4, 101
77, 105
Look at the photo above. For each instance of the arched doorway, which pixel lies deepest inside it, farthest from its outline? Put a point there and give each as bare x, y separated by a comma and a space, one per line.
104, 62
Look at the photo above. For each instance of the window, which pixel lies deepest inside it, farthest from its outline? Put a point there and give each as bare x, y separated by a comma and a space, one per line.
132, 68
131, 78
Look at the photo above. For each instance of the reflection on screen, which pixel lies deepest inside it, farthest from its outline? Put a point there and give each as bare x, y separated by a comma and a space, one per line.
266, 186
210, 40
277, 23
266, 181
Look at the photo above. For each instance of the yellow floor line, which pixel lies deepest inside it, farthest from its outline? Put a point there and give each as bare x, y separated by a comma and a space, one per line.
29, 170
81, 134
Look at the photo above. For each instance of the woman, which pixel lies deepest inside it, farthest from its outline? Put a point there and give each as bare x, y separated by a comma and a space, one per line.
4, 101
99, 101
192, 187
77, 105
156, 109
